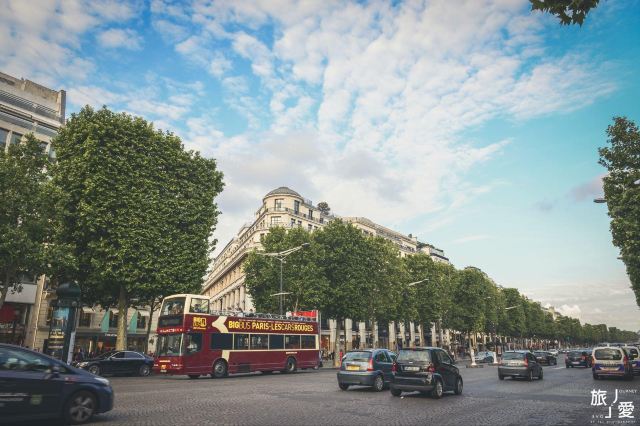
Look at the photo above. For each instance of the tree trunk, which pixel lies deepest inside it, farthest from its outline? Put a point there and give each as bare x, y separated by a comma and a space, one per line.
121, 340
441, 333
152, 307
336, 352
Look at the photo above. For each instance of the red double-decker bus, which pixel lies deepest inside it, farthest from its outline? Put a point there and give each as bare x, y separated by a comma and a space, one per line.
195, 341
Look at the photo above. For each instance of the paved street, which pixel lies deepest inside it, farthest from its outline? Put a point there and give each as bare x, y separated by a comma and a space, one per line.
313, 397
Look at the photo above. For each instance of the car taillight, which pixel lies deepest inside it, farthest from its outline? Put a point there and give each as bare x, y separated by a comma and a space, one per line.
431, 368
526, 362
370, 368
394, 367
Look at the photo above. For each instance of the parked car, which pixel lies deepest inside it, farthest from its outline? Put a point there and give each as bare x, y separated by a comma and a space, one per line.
611, 361
554, 352
547, 358
366, 367
519, 364
578, 358
36, 386
118, 362
486, 356
427, 370
634, 358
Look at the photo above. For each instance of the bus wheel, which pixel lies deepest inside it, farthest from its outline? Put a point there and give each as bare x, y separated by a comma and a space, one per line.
219, 369
291, 365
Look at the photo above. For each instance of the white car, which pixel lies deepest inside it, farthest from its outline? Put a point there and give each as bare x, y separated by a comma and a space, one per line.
486, 356
553, 352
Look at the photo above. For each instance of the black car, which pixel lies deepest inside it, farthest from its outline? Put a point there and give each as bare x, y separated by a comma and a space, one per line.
428, 370
34, 386
547, 358
118, 362
366, 367
578, 358
519, 364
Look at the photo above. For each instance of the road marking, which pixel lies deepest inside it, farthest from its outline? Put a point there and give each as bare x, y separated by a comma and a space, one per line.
559, 368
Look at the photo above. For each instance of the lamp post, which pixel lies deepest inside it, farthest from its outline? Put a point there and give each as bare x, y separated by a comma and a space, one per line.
281, 256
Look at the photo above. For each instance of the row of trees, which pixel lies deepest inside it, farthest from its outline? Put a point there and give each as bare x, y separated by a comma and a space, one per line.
125, 211
346, 274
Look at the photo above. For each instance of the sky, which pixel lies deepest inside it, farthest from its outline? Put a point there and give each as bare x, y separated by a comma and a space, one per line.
471, 124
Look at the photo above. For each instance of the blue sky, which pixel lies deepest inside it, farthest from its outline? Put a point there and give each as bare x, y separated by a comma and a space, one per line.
475, 127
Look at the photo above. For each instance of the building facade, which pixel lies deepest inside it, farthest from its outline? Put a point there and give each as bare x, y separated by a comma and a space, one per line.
284, 207
26, 107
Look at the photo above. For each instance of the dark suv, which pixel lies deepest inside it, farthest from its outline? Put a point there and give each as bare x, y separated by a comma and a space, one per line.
366, 367
519, 364
579, 358
428, 370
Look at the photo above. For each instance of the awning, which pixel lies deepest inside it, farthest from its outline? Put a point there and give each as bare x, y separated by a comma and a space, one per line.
87, 310
114, 310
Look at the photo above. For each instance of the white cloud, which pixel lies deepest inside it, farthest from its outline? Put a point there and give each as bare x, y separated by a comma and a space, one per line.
114, 38
570, 310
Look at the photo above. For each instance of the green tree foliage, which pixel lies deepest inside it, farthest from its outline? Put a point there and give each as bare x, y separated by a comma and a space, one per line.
138, 212
24, 212
622, 160
567, 11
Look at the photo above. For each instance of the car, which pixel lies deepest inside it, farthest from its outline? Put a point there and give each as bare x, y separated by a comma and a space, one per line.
486, 356
428, 370
554, 352
118, 362
547, 358
578, 358
611, 361
366, 367
519, 364
634, 358
35, 386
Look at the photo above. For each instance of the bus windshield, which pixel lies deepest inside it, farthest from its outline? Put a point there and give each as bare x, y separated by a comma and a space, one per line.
170, 345
174, 306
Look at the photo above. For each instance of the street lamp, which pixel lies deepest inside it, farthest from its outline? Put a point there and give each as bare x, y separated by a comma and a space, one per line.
281, 256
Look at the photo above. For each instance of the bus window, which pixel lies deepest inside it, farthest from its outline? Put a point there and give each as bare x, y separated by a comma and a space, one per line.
259, 341
169, 344
276, 341
292, 342
221, 341
192, 343
308, 342
173, 306
241, 341
199, 306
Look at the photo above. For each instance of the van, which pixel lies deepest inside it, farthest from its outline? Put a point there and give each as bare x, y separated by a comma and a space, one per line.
634, 358
611, 361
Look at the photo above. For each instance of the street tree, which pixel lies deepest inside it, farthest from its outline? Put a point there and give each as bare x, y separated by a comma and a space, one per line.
622, 193
324, 207
567, 11
515, 323
139, 209
23, 213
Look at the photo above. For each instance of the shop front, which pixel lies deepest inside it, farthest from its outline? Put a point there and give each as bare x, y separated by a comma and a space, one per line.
12, 322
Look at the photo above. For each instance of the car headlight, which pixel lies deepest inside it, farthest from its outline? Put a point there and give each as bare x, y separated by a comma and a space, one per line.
82, 364
102, 380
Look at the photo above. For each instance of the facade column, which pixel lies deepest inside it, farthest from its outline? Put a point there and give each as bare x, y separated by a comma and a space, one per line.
421, 331
363, 334
243, 302
348, 334
374, 327
402, 334
332, 336
433, 334
392, 336
412, 334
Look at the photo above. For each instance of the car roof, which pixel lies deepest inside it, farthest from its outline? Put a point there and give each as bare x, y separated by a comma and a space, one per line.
606, 347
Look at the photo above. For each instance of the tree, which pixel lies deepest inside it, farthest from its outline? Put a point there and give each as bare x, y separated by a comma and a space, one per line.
568, 11
324, 207
622, 160
23, 213
139, 209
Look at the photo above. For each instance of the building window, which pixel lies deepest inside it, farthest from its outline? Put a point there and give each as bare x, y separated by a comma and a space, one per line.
299, 224
3, 138
321, 220
15, 138
296, 206
85, 319
310, 214
278, 203
142, 322
113, 319
275, 220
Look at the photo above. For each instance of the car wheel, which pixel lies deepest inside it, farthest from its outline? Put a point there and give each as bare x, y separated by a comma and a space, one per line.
80, 407
343, 386
530, 376
144, 370
458, 388
540, 375
396, 392
437, 392
378, 383
194, 376
500, 376
291, 366
94, 369
220, 369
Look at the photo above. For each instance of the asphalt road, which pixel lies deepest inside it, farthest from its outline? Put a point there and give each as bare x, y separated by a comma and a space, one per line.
312, 397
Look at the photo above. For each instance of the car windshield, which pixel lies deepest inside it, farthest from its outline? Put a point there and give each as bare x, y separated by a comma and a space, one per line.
357, 356
405, 355
608, 354
513, 355
170, 345
575, 353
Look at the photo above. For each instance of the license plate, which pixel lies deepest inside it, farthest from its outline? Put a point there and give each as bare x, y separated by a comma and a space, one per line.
353, 367
575, 362
411, 369
163, 367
